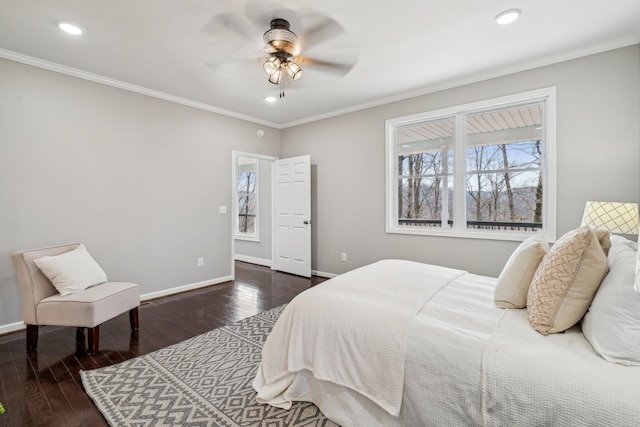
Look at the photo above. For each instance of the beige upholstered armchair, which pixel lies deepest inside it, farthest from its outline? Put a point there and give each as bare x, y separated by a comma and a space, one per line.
43, 304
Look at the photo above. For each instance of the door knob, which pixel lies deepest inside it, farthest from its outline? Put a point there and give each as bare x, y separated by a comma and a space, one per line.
306, 222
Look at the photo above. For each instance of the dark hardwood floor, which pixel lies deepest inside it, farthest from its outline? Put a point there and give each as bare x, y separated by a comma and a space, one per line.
44, 388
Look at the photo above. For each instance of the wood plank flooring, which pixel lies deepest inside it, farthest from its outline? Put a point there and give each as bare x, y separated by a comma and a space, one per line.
44, 388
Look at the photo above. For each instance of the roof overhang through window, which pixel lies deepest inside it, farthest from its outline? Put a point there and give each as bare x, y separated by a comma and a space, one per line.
486, 128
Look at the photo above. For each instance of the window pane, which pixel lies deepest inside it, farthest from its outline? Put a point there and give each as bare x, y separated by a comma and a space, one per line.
424, 167
421, 201
504, 169
246, 224
247, 196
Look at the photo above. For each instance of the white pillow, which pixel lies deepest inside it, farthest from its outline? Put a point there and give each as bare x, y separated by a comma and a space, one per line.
514, 280
612, 323
72, 271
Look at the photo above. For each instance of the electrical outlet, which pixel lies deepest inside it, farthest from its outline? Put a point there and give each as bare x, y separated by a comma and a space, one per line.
344, 257
200, 262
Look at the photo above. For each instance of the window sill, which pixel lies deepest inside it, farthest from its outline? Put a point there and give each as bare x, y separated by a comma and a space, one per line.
247, 238
516, 236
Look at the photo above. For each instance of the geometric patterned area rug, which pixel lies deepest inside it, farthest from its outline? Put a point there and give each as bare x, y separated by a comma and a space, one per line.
203, 381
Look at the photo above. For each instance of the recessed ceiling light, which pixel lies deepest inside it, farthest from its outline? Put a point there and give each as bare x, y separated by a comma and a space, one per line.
508, 16
270, 99
70, 28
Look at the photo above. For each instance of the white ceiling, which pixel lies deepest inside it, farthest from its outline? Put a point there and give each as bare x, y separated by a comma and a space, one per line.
181, 51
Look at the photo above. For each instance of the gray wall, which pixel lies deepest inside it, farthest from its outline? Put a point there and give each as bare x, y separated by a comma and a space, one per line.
137, 179
262, 249
598, 157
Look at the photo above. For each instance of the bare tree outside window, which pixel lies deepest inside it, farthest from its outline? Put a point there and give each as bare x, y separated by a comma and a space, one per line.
503, 170
425, 160
247, 181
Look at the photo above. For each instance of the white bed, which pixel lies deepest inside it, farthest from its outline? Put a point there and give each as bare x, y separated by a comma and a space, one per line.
400, 343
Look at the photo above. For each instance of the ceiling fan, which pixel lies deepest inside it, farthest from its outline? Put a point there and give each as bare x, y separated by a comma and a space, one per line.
319, 45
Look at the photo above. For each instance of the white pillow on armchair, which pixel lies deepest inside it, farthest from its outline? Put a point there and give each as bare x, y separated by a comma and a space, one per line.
72, 271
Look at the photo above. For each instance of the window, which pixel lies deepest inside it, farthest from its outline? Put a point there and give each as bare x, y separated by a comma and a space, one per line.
247, 191
484, 170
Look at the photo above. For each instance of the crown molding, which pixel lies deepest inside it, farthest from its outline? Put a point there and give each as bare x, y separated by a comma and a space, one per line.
96, 78
465, 80
424, 90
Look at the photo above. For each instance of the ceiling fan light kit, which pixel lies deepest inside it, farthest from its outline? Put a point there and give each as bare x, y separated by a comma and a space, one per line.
280, 44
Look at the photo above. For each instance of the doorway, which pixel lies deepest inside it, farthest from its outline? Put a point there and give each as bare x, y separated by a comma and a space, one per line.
271, 212
252, 209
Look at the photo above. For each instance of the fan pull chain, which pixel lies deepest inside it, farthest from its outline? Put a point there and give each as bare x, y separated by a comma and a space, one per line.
282, 86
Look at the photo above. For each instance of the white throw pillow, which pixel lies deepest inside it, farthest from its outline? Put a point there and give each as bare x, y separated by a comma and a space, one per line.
612, 323
72, 271
514, 280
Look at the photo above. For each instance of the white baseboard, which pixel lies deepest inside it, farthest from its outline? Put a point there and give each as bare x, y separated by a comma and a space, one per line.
323, 274
269, 263
189, 287
254, 260
17, 326
12, 327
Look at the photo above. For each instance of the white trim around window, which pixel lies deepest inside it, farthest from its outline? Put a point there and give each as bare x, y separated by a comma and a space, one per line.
457, 117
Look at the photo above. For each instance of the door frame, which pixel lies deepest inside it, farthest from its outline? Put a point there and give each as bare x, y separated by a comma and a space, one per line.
234, 203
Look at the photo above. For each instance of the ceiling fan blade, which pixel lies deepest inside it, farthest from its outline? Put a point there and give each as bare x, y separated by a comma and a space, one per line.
330, 67
228, 23
320, 30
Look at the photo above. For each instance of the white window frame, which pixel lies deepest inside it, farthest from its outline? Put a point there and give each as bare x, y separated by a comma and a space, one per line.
546, 95
252, 237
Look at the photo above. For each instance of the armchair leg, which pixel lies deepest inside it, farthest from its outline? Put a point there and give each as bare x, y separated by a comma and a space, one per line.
32, 338
94, 339
133, 319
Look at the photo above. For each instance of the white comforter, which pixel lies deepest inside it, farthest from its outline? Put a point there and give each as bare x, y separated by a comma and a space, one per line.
465, 361
359, 346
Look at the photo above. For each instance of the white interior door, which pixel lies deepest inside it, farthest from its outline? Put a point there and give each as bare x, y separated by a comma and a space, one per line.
293, 215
